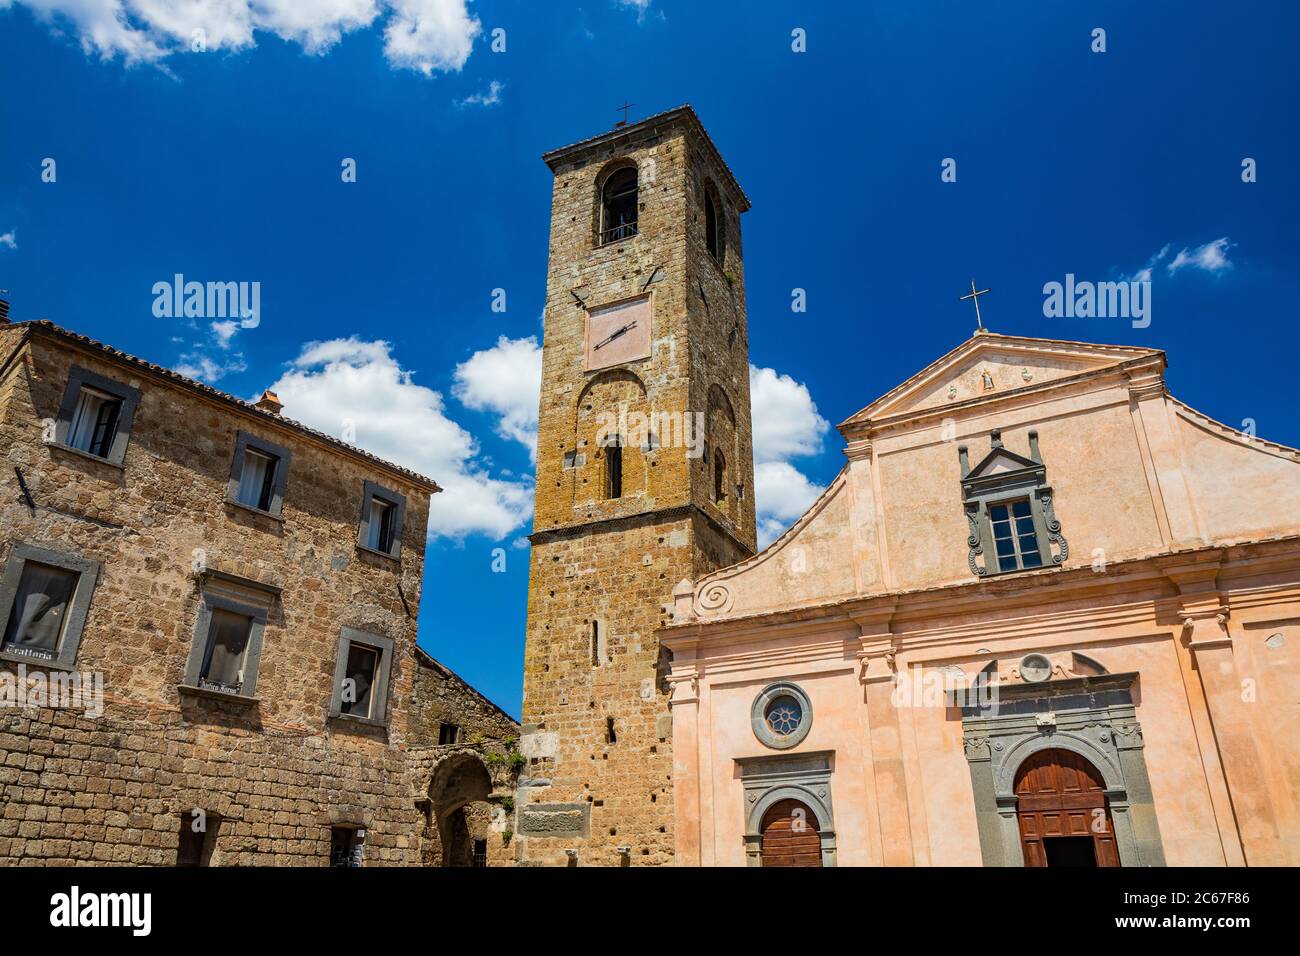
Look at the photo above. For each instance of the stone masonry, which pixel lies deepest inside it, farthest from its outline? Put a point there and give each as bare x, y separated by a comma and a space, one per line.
598, 785
273, 775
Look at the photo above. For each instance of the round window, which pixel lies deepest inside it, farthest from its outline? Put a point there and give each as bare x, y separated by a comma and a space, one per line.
784, 715
781, 715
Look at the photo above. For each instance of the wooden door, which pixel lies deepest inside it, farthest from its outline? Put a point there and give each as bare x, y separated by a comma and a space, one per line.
1064, 820
790, 836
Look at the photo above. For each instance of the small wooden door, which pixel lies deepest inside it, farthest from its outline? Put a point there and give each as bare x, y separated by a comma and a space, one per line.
1064, 820
790, 836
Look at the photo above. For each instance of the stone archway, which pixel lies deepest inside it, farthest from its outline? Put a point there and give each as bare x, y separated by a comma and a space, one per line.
460, 811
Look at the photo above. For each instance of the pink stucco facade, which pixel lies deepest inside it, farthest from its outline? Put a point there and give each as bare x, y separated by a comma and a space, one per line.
1181, 583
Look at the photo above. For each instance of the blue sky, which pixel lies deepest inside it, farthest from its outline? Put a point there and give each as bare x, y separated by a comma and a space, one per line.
376, 295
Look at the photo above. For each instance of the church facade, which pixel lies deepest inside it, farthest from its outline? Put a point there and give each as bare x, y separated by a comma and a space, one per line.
1046, 615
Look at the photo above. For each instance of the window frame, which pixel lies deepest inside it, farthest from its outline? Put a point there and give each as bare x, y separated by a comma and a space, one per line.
245, 601
370, 491
74, 623
758, 715
611, 452
983, 491
1017, 553
379, 690
129, 396
713, 210
243, 442
603, 228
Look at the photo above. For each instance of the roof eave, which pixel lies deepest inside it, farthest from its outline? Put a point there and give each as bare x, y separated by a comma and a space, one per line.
554, 157
171, 377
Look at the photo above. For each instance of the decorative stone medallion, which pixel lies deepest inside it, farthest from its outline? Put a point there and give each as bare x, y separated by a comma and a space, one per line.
1035, 668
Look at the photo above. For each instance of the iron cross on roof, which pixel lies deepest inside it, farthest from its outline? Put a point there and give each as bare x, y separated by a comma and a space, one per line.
975, 295
625, 107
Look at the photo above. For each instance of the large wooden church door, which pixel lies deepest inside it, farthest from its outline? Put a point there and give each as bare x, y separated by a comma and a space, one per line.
790, 836
1064, 820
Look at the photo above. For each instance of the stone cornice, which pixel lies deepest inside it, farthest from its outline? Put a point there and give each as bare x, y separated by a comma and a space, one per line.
1050, 587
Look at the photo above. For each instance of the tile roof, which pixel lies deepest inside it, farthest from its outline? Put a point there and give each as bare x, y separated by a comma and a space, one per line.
45, 326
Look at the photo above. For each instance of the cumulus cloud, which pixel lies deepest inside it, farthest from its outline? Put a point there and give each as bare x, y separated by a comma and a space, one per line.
505, 380
357, 388
1211, 257
786, 425
9, 238
422, 35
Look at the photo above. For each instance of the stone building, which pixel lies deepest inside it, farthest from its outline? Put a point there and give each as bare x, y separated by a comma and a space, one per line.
1046, 615
209, 637
644, 475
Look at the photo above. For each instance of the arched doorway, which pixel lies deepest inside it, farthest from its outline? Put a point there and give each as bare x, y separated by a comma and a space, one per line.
460, 812
1062, 812
790, 835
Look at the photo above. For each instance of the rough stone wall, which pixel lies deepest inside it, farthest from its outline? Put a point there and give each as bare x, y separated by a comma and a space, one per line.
719, 345
440, 696
278, 773
596, 723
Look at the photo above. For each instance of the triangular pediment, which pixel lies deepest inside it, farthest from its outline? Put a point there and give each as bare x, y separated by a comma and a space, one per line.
988, 366
999, 461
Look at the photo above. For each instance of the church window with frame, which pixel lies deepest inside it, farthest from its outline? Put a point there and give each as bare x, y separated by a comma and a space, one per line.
1014, 537
1009, 510
618, 206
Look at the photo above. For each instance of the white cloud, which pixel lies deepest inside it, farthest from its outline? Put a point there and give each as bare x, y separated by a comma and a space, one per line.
784, 492
225, 331
786, 425
341, 381
207, 369
786, 422
1211, 257
423, 35
640, 6
9, 239
428, 35
491, 98
507, 380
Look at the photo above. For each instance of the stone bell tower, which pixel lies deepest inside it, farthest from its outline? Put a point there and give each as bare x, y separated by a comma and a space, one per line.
644, 476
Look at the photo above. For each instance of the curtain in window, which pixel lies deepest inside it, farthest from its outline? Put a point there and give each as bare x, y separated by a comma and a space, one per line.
93, 421
380, 530
227, 641
253, 478
40, 606
362, 666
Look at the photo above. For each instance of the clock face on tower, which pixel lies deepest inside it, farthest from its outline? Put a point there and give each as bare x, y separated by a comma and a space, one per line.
618, 333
